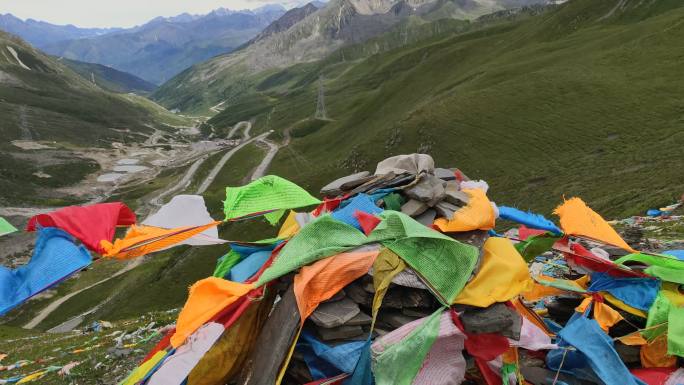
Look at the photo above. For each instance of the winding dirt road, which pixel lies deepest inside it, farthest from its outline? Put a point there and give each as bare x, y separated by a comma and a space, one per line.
182, 184
57, 303
263, 166
246, 139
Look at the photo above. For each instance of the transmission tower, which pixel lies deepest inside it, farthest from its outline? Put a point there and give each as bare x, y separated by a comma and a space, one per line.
320, 104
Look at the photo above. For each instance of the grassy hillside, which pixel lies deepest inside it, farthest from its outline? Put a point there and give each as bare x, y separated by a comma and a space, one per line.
43, 100
583, 99
109, 78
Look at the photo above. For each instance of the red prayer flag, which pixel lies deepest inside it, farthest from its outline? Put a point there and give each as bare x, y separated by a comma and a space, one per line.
89, 224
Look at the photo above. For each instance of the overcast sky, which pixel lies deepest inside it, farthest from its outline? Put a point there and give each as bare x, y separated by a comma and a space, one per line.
117, 13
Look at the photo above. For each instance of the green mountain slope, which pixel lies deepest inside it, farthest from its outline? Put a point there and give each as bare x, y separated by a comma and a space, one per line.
583, 99
43, 100
340, 23
109, 78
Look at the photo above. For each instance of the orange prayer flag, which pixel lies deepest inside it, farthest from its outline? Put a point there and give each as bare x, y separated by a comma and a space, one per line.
478, 214
142, 240
323, 279
537, 292
633, 339
576, 218
207, 298
654, 354
604, 315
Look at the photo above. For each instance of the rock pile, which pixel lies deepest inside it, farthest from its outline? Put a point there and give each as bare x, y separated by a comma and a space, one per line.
399, 277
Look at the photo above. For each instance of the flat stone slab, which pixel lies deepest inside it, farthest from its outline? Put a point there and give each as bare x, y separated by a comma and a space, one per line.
429, 189
497, 318
427, 218
444, 174
356, 293
395, 319
340, 332
333, 314
454, 195
414, 208
340, 295
446, 210
349, 182
361, 319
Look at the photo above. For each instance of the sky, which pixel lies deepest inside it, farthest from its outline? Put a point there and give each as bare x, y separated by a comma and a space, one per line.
118, 13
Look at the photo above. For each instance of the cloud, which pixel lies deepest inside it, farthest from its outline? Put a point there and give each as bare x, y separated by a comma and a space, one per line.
117, 13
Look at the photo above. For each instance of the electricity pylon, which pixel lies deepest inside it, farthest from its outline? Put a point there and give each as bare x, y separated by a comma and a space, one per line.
320, 103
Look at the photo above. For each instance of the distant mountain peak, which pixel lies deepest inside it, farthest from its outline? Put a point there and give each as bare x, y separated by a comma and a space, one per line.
287, 20
160, 49
41, 33
269, 8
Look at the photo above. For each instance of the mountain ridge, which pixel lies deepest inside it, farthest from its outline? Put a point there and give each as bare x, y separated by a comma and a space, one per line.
163, 47
317, 34
109, 78
41, 33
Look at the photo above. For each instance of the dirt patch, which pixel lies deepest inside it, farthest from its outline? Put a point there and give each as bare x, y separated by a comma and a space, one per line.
30, 145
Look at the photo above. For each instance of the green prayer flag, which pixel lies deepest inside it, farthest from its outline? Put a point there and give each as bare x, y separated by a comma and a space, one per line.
670, 317
443, 262
665, 267
399, 363
393, 201
274, 217
675, 331
536, 245
653, 260
666, 274
508, 369
562, 284
657, 315
323, 237
6, 227
225, 263
270, 193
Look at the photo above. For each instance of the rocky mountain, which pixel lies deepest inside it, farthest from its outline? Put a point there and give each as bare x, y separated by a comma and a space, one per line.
164, 47
40, 33
317, 34
290, 18
109, 78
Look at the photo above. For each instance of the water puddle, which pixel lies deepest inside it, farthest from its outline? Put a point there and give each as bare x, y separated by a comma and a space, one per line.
130, 168
128, 161
110, 177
